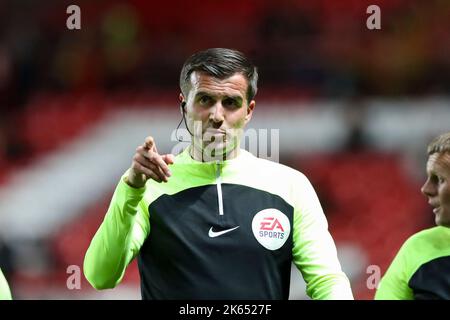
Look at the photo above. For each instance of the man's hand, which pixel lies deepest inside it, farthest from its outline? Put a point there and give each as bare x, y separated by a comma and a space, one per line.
149, 164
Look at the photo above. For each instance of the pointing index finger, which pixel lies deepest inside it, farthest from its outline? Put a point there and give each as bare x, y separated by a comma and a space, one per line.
150, 144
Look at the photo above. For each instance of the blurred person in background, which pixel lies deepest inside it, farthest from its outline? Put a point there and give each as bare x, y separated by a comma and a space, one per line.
5, 293
224, 224
421, 269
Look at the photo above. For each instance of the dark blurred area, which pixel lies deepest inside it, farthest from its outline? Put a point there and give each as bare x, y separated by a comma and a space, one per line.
302, 48
322, 48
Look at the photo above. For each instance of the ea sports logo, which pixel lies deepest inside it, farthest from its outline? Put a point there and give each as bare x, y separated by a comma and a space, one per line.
271, 228
271, 223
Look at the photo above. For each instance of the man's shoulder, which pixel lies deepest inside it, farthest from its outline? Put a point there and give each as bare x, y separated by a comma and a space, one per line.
422, 248
427, 239
429, 234
276, 167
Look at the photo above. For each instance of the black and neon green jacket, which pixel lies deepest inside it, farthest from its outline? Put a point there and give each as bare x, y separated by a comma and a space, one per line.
421, 269
226, 230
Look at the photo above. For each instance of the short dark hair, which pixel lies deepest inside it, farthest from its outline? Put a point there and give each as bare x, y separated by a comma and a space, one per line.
440, 144
220, 63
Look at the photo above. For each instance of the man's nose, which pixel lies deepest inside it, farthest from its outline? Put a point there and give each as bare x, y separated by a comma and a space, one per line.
427, 189
217, 112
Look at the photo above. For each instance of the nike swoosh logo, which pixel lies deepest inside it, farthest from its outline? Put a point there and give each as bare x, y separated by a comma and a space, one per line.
213, 234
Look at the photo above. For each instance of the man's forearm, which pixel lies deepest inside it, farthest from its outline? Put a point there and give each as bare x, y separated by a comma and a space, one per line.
330, 287
111, 248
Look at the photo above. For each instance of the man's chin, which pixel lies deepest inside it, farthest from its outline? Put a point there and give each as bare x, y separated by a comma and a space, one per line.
442, 222
219, 152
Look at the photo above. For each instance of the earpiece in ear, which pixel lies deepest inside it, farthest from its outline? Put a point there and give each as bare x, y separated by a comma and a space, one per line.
182, 108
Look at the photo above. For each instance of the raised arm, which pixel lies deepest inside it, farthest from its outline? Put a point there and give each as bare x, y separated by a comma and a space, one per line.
126, 224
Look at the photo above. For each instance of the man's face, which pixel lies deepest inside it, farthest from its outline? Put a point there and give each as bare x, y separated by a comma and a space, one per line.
437, 187
217, 111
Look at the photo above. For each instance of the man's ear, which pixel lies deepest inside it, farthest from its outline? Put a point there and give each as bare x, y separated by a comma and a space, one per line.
182, 103
250, 108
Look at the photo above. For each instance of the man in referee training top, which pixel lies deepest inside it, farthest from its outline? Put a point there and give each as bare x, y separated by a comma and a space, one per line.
421, 269
215, 222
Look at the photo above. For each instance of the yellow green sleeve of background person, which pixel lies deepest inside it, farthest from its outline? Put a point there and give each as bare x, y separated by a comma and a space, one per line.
421, 268
127, 226
5, 293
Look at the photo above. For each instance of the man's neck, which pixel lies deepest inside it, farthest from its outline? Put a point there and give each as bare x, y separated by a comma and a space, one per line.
199, 155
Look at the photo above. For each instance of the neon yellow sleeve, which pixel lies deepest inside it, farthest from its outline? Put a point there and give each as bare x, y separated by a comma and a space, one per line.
394, 284
5, 293
314, 251
118, 240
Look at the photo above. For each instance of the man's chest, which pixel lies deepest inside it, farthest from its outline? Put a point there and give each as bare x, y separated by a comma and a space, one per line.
232, 216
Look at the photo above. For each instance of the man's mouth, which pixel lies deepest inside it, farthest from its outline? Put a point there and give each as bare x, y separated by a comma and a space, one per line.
435, 206
215, 135
214, 132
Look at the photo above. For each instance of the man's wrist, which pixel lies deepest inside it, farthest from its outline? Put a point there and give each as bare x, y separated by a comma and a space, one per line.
132, 185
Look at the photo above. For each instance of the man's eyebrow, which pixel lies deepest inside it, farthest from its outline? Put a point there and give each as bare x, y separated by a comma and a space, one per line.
237, 98
204, 93
213, 95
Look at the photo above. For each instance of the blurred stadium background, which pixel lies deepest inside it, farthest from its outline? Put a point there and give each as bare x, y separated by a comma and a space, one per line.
355, 109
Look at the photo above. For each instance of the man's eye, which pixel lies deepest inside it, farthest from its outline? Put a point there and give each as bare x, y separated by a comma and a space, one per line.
205, 99
229, 102
437, 179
